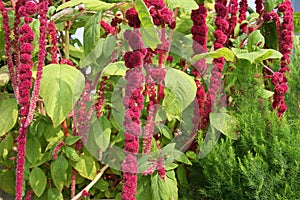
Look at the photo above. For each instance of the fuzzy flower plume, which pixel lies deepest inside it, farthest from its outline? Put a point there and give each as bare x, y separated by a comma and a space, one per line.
243, 14
24, 85
220, 39
233, 9
259, 6
134, 103
285, 47
54, 48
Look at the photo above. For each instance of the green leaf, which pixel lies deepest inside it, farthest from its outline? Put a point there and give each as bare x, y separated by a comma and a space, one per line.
69, 4
144, 190
182, 89
86, 167
72, 140
54, 194
184, 159
33, 149
75, 52
62, 16
258, 56
256, 41
38, 181
185, 4
102, 130
225, 123
102, 185
296, 16
164, 190
148, 31
66, 87
115, 69
5, 146
7, 183
8, 115
96, 5
182, 175
166, 132
222, 52
4, 76
71, 154
91, 33
265, 94
271, 4
59, 172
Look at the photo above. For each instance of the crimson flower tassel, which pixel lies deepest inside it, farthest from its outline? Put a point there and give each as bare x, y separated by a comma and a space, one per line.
233, 9
8, 50
43, 9
259, 6
220, 39
243, 14
53, 36
25, 81
285, 47
134, 103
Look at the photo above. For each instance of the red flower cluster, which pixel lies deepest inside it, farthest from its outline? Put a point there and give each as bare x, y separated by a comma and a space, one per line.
243, 10
160, 14
259, 6
285, 32
43, 9
279, 81
133, 18
199, 31
134, 103
24, 85
233, 9
220, 39
107, 27
54, 48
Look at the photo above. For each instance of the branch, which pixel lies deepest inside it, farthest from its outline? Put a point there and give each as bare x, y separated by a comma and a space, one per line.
89, 186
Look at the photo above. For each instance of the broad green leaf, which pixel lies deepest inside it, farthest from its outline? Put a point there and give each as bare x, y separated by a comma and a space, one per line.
222, 52
182, 175
59, 172
115, 69
4, 76
167, 133
171, 153
211, 139
101, 129
62, 16
164, 190
86, 167
100, 56
225, 123
8, 114
265, 94
96, 5
5, 146
33, 149
185, 4
38, 181
61, 87
7, 183
72, 139
148, 31
296, 16
271, 4
182, 87
184, 24
69, 4
256, 41
184, 159
71, 154
144, 190
54, 194
75, 52
91, 33
102, 185
258, 56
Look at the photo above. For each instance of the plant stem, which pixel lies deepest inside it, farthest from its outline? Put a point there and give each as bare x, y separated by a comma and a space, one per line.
89, 186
